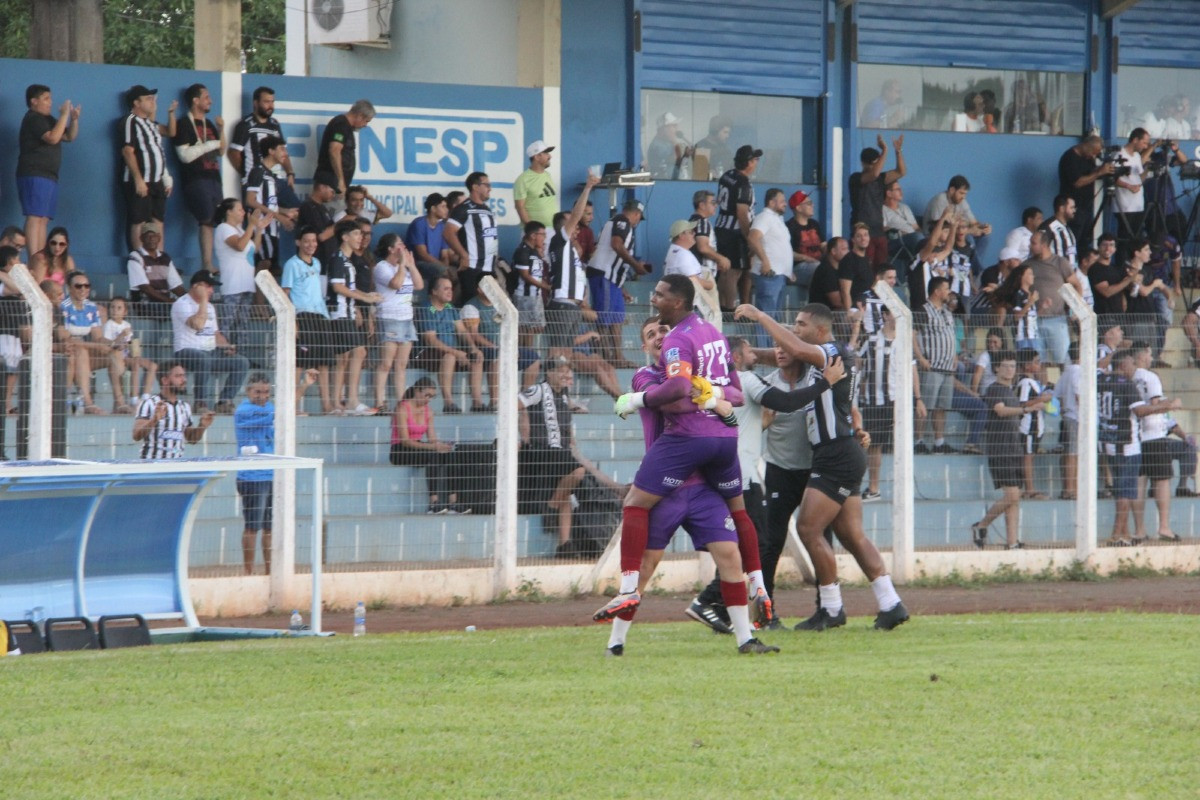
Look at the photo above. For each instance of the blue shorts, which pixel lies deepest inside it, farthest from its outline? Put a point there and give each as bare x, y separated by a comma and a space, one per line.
39, 196
607, 300
397, 330
672, 459
1125, 471
256, 504
699, 510
526, 357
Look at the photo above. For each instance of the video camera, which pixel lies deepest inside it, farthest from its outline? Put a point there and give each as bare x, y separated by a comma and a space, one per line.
1113, 154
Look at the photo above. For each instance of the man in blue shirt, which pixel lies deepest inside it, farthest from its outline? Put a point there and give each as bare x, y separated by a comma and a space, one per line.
302, 284
424, 239
446, 347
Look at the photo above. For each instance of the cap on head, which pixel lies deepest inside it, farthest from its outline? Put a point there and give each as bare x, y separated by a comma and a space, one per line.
668, 119
745, 154
150, 227
204, 276
136, 91
681, 226
796, 199
537, 147
1010, 254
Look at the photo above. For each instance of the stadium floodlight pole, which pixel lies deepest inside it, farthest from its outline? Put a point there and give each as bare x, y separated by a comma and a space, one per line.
1089, 427
504, 572
283, 542
41, 371
903, 483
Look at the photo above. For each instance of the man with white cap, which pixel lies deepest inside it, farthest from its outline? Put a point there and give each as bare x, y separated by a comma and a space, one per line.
681, 260
668, 149
989, 279
534, 194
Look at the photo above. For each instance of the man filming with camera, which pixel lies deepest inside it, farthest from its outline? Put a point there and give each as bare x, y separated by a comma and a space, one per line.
1129, 201
1077, 175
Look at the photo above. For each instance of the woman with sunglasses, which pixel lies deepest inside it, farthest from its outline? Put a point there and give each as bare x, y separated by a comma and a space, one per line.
54, 262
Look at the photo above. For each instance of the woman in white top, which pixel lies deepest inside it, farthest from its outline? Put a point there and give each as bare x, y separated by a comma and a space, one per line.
396, 279
234, 248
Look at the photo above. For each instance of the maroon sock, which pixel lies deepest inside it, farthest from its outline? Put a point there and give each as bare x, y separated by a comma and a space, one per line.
627, 615
747, 541
635, 528
734, 594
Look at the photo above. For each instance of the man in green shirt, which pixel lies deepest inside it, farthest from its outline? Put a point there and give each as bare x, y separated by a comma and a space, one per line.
533, 193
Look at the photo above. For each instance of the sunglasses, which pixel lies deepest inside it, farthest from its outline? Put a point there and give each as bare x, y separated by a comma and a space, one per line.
58, 244
81, 286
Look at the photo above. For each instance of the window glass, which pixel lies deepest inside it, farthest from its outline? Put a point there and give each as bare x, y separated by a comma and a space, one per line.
692, 136
969, 100
1158, 99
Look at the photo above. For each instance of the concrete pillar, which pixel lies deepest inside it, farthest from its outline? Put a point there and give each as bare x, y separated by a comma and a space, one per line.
219, 35
67, 30
539, 43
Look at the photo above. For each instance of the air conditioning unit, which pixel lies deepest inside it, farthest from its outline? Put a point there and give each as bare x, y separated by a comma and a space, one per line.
363, 22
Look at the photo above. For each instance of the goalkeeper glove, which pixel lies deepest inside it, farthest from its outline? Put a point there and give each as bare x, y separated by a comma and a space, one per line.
628, 403
708, 395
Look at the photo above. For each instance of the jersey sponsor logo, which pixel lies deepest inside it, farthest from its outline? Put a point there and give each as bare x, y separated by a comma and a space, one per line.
736, 483
844, 492
669, 481
671, 355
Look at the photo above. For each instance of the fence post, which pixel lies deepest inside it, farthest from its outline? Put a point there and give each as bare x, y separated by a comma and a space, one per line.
283, 542
41, 369
903, 486
505, 555
1088, 462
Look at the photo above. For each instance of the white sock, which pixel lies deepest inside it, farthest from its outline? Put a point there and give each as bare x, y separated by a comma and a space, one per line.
629, 581
938, 442
756, 582
831, 598
620, 628
885, 592
740, 617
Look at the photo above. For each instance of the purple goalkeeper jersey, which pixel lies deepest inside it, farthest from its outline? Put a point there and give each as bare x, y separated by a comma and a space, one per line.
653, 423
695, 347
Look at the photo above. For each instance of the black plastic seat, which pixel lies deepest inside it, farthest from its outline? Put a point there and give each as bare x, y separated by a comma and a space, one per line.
71, 633
26, 636
123, 630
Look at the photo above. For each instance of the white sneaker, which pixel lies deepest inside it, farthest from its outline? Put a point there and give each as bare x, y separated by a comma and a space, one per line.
361, 410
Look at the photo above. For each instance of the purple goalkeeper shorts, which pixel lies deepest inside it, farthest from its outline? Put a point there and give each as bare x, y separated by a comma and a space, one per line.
699, 510
672, 458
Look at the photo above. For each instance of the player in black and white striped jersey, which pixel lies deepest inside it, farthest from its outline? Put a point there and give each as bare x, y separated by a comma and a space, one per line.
612, 264
568, 277
146, 182
832, 494
164, 421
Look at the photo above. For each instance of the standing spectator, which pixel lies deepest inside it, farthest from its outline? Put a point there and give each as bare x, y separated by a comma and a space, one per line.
1062, 238
164, 421
933, 261
1158, 448
315, 216
533, 283
1129, 201
154, 282
825, 287
396, 280
935, 347
262, 193
808, 243
81, 319
1077, 175
867, 191
1109, 282
260, 123
1032, 424
200, 144
1050, 272
564, 312
424, 239
254, 427
314, 334
347, 320
720, 156
445, 346
126, 354
712, 263
771, 257
1166, 259
357, 198
903, 231
235, 250
1002, 443
201, 347
471, 233
146, 182
855, 272
1066, 392
337, 155
533, 191
1120, 408
735, 203
1017, 300
1018, 238
1191, 329
1142, 320
54, 262
612, 264
415, 443
585, 237
954, 199
681, 260
887, 110
40, 158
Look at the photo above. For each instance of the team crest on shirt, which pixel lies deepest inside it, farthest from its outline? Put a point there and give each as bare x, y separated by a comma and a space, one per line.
729, 523
671, 355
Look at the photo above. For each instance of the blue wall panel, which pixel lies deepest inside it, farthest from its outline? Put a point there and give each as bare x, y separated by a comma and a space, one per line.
1160, 33
1014, 34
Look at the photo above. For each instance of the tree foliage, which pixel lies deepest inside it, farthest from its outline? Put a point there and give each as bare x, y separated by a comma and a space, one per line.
160, 33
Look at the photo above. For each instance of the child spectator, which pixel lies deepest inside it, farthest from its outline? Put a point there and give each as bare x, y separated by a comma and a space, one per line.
127, 354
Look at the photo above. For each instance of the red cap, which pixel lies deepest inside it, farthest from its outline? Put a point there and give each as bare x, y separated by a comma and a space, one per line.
796, 199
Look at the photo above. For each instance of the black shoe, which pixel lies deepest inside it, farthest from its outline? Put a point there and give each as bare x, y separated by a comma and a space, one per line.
1017, 546
822, 621
979, 534
615, 650
707, 615
450, 408
944, 450
1184, 491
894, 617
921, 449
756, 647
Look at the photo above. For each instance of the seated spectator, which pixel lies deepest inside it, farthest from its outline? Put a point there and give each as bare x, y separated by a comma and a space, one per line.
984, 310
955, 199
967, 403
586, 361
154, 282
888, 109
314, 335
716, 148
14, 334
126, 355
1191, 329
82, 322
424, 239
935, 348
396, 280
483, 330
973, 118
357, 198
982, 375
902, 227
681, 260
1018, 238
934, 259
825, 287
13, 237
1166, 259
415, 444
667, 150
55, 262
445, 346
808, 243
1032, 424
235, 249
1002, 443
348, 320
202, 349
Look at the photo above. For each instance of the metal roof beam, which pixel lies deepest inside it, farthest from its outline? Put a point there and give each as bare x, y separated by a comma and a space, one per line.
1110, 8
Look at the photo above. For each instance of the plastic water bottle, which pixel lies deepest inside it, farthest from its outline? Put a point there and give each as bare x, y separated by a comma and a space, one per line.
360, 619
297, 622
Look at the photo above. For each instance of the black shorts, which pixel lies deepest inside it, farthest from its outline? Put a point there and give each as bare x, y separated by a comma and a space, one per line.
346, 336
144, 209
878, 421
202, 196
1029, 443
314, 341
539, 471
732, 245
1006, 470
837, 469
1156, 460
562, 324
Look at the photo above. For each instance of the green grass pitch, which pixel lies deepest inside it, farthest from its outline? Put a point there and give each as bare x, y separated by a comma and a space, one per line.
1032, 706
